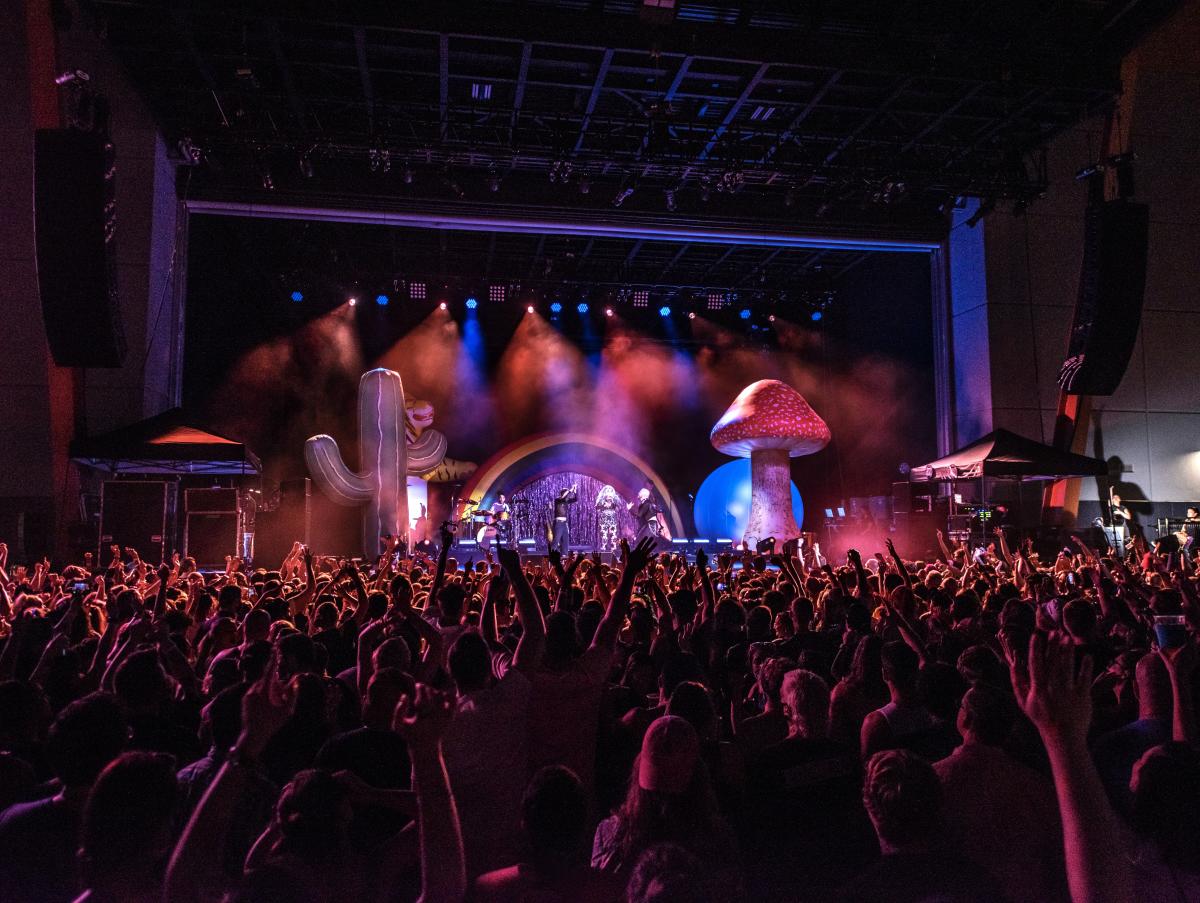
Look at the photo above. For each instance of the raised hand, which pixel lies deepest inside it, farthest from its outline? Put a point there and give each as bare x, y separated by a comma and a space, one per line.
421, 719
510, 559
446, 537
265, 708
638, 557
1053, 693
853, 557
701, 559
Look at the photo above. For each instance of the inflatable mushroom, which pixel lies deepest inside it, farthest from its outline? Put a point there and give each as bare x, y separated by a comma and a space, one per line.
769, 423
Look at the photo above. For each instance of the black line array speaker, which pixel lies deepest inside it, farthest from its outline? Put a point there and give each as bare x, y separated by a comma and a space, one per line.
1109, 307
133, 513
75, 225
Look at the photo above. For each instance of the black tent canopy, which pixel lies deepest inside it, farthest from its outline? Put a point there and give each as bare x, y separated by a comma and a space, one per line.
170, 442
1004, 455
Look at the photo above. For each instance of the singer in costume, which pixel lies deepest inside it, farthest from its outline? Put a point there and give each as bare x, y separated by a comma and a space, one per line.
607, 504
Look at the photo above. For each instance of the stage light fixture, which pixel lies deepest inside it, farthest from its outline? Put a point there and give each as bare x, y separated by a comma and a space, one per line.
669, 196
745, 313
582, 307
555, 308
691, 315
493, 180
771, 319
664, 311
382, 300
472, 304
816, 316
408, 175
585, 186
297, 296
496, 294
622, 196
416, 291
529, 309
608, 311
353, 302
641, 298
306, 166
442, 306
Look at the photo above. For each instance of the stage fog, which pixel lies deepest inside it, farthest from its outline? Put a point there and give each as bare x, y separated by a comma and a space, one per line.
497, 374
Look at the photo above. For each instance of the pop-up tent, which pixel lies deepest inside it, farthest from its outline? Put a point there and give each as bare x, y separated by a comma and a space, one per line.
1006, 456
170, 442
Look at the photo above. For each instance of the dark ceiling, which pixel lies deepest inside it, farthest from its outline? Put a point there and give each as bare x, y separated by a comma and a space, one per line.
868, 114
340, 259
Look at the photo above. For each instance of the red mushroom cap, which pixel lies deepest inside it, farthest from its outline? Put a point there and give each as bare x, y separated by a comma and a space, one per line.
770, 414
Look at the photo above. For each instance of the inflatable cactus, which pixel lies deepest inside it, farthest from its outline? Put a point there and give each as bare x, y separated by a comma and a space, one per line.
386, 458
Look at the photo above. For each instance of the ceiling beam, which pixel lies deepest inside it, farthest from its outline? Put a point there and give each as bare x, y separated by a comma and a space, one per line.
443, 84
285, 72
364, 74
678, 255
868, 121
519, 89
943, 116
733, 110
593, 98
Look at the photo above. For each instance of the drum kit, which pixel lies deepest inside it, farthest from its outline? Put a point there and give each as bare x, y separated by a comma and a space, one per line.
484, 526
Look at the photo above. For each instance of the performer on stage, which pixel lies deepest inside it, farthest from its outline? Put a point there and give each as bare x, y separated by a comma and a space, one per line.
1191, 526
560, 540
607, 503
649, 517
1119, 517
502, 520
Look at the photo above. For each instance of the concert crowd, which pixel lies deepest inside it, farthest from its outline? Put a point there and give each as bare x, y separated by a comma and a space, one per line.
963, 726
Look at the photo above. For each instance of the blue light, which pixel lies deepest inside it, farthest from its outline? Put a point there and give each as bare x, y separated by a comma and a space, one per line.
297, 296
582, 307
555, 308
816, 315
472, 304
664, 311
381, 300
745, 314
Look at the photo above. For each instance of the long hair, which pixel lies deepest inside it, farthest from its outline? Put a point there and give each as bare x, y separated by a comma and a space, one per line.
866, 671
649, 817
607, 497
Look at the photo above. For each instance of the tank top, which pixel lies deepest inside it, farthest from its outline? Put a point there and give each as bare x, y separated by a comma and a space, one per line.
908, 719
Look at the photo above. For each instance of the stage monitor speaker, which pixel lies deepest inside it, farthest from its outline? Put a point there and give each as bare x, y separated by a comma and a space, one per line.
133, 513
1109, 306
209, 537
210, 501
75, 222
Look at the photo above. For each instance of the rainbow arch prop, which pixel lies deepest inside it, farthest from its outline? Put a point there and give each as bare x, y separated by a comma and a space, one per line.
535, 456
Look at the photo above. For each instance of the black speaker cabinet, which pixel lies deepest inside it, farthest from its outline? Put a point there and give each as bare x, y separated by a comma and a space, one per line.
210, 501
1109, 307
75, 225
210, 536
133, 513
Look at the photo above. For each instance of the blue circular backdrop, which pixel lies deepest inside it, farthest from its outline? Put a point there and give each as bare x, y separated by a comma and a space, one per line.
723, 502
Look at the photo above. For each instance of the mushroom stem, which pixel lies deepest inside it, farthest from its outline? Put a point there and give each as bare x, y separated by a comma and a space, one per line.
771, 497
